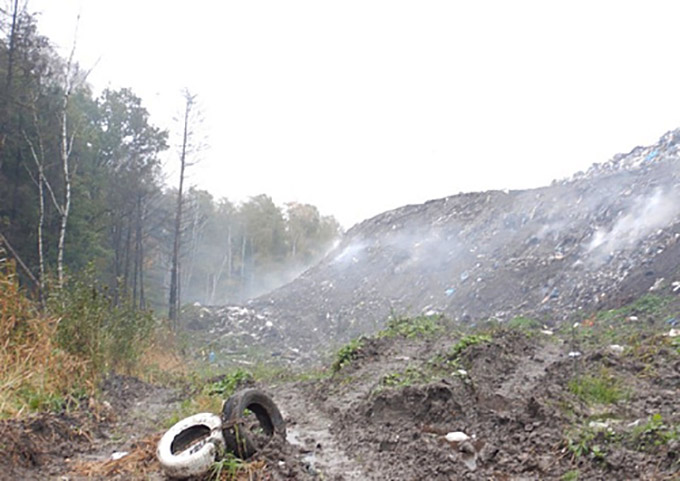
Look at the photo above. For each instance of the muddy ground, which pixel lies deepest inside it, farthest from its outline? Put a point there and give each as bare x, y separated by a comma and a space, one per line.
521, 395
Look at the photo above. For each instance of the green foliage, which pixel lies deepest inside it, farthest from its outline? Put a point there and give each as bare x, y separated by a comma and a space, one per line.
648, 305
408, 377
413, 327
524, 323
94, 328
654, 433
585, 441
229, 466
466, 341
600, 389
228, 384
347, 354
571, 475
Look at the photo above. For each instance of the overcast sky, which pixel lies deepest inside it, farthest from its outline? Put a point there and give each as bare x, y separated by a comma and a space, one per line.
362, 106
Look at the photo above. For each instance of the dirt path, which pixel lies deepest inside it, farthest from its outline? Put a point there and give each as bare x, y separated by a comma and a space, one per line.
309, 429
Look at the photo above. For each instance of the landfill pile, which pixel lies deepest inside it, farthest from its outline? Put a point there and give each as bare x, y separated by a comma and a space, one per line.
590, 242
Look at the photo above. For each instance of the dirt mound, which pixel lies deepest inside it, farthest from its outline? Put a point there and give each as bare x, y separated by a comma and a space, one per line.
591, 242
515, 397
41, 444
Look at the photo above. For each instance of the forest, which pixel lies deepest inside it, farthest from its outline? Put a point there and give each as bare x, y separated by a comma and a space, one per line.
83, 189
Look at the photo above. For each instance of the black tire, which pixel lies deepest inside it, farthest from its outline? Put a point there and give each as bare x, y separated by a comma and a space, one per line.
237, 435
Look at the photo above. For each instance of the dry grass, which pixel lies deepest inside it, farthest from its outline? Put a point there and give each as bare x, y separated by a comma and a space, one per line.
34, 372
141, 462
138, 464
160, 363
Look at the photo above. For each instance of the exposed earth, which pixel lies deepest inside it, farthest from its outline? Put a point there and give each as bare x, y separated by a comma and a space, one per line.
525, 335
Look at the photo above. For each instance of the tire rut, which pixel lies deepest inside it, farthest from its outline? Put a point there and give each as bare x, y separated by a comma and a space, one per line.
309, 429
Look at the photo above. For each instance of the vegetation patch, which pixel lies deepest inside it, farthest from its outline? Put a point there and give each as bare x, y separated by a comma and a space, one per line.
586, 441
36, 372
231, 468
597, 389
655, 432
466, 341
648, 305
228, 383
346, 354
413, 327
524, 323
408, 377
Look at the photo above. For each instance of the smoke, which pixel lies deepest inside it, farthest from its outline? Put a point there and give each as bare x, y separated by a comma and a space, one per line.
646, 215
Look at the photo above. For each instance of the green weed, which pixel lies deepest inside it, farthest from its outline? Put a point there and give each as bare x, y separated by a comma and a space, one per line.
524, 323
466, 341
654, 433
347, 354
585, 441
570, 475
408, 377
228, 383
413, 327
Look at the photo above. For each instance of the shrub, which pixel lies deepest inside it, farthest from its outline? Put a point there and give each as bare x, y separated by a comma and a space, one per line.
93, 327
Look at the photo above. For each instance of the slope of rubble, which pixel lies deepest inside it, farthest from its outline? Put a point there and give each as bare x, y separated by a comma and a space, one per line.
589, 242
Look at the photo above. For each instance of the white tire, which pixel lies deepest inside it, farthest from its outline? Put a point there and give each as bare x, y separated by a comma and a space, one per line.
190, 447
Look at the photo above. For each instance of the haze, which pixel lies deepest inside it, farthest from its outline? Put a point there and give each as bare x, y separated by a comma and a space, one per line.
362, 106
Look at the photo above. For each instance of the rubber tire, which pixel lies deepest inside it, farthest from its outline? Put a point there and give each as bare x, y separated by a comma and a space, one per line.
178, 453
236, 435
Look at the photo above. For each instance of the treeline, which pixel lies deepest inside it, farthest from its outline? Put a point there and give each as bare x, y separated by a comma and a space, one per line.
81, 183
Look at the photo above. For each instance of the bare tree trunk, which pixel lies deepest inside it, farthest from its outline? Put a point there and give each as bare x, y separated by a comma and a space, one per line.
225, 264
8, 79
66, 146
39, 159
173, 312
140, 253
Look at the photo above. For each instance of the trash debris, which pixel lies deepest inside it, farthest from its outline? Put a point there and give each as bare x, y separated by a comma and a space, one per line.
615, 349
574, 354
457, 437
673, 333
450, 291
191, 446
119, 455
547, 332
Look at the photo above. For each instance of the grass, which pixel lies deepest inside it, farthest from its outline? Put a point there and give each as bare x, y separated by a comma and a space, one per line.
648, 305
36, 373
463, 343
597, 389
408, 377
524, 323
413, 327
231, 468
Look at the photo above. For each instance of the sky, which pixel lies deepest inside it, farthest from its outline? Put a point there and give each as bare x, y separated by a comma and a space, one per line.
361, 106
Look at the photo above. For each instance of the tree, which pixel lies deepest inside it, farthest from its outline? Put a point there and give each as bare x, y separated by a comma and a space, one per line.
189, 146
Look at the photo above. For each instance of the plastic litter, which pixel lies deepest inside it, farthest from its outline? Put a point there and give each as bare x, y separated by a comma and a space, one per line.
118, 455
574, 354
673, 333
615, 349
457, 437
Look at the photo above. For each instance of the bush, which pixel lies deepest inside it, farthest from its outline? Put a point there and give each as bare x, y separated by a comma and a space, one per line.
92, 327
